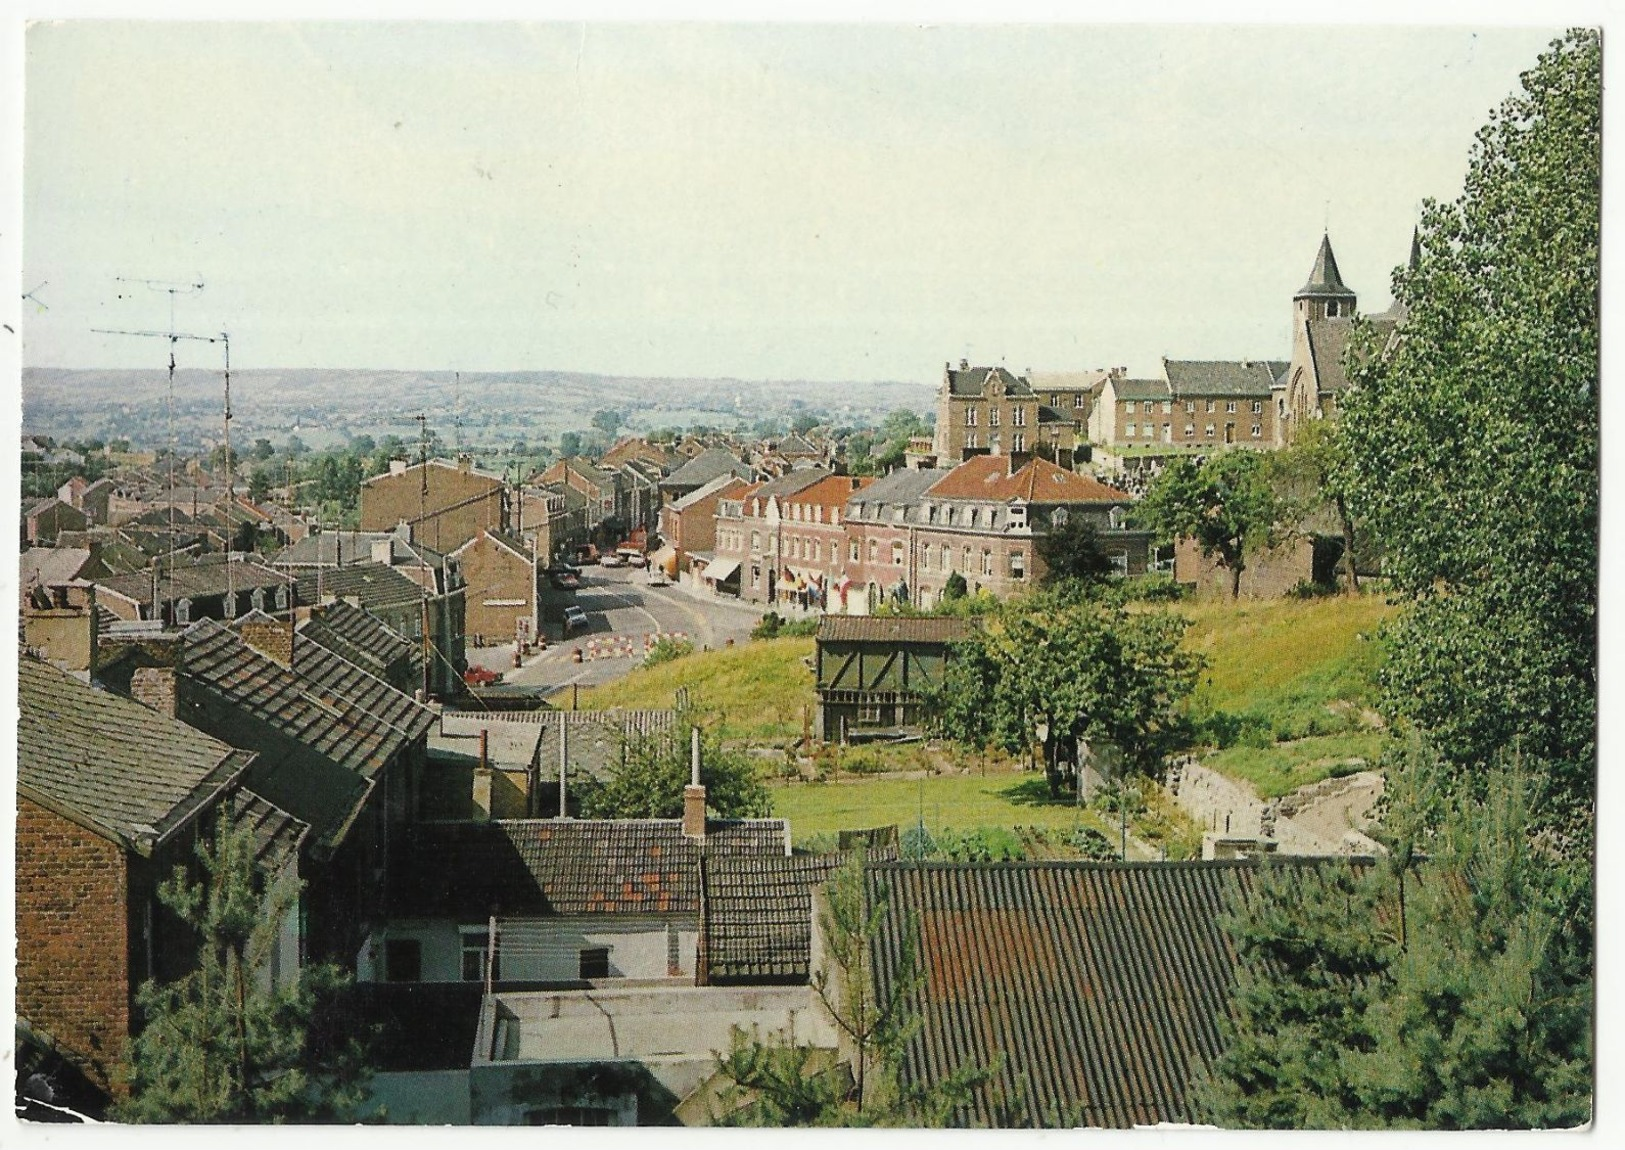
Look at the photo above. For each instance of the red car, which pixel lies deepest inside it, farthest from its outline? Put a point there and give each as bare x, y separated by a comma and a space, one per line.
481, 676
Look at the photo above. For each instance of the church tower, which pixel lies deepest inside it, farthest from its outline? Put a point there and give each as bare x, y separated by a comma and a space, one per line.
1325, 296
1324, 303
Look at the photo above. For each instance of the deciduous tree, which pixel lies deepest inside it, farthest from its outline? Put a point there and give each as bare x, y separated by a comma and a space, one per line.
1472, 443
1223, 504
648, 781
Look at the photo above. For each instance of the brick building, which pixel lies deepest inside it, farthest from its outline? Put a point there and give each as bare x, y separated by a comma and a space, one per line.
111, 797
992, 409
459, 500
911, 532
206, 587
500, 589
1324, 311
688, 525
748, 536
409, 609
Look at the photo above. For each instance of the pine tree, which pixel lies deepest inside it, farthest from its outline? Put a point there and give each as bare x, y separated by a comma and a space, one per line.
218, 1045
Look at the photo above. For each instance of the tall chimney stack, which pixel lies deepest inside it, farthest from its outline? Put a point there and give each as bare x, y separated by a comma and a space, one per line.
694, 793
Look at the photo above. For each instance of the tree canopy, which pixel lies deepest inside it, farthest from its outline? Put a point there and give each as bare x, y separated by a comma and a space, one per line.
1224, 503
1073, 551
1472, 442
1086, 667
648, 781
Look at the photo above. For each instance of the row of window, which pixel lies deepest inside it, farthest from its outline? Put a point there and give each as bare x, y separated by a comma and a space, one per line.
1149, 430
256, 599
1018, 416
1190, 406
1018, 441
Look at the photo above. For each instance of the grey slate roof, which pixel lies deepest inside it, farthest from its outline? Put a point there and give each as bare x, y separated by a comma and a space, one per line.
136, 775
1141, 388
354, 720
758, 914
903, 487
526, 867
1329, 341
359, 636
1325, 282
328, 548
797, 480
594, 739
1102, 985
973, 381
887, 629
704, 492
703, 468
196, 579
1247, 378
370, 584
277, 834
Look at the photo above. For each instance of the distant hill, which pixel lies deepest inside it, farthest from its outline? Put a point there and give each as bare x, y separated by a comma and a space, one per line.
323, 405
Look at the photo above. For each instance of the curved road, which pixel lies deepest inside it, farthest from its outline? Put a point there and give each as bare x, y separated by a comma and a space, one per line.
620, 603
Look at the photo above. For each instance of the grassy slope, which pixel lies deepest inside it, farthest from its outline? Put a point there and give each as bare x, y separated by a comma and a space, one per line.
757, 689
1295, 676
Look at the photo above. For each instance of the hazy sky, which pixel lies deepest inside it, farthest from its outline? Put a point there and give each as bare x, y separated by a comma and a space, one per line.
758, 201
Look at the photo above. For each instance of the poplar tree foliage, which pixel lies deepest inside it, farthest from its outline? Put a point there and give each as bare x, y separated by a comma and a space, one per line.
1472, 443
1081, 664
217, 1045
1451, 993
1225, 504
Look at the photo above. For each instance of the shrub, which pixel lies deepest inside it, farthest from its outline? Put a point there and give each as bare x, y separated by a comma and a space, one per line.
768, 626
666, 650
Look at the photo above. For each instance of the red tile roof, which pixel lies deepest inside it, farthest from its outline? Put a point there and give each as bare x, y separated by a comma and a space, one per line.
1038, 481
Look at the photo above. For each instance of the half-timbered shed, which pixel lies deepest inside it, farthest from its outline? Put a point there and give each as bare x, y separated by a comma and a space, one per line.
873, 671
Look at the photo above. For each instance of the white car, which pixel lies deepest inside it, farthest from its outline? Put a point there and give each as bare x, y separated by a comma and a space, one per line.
612, 560
633, 558
657, 577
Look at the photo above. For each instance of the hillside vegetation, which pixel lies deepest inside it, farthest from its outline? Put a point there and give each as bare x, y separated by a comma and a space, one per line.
1286, 697
756, 691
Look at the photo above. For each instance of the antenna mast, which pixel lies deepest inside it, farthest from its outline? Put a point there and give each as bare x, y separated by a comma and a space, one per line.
172, 289
423, 511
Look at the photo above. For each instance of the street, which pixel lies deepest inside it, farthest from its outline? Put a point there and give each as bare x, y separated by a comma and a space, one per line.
623, 610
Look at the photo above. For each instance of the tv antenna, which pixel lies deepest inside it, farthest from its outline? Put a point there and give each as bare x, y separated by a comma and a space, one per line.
457, 409
39, 303
175, 337
423, 512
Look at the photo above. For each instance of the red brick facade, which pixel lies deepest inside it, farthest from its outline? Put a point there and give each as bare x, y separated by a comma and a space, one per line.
459, 502
73, 939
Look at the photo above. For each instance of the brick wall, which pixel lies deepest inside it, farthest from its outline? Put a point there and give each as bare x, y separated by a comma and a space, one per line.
499, 590
272, 639
72, 939
1264, 574
458, 504
154, 687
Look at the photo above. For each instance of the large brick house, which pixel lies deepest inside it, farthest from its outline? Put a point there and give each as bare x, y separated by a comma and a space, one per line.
111, 798
445, 503
802, 550
993, 409
688, 525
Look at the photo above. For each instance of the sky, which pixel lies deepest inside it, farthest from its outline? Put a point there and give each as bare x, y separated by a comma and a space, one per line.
827, 202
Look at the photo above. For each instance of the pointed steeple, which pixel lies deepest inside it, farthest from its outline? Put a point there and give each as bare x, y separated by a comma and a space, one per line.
1324, 280
1416, 248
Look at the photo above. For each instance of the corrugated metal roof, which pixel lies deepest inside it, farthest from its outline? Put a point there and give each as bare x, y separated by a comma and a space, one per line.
1102, 985
130, 770
522, 867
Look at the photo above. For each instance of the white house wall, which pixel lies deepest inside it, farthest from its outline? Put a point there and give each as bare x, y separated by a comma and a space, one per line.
544, 949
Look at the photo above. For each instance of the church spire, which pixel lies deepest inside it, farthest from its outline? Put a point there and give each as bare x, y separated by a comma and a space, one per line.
1416, 248
1325, 282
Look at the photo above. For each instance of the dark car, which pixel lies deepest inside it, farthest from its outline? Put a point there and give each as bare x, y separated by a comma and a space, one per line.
575, 619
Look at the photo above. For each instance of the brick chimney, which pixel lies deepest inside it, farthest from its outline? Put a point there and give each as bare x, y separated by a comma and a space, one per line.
272, 638
694, 794
154, 687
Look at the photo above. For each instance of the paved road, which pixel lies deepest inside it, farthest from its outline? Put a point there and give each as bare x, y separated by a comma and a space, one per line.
622, 605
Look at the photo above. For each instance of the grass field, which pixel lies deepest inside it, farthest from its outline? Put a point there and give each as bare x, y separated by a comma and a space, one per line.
757, 689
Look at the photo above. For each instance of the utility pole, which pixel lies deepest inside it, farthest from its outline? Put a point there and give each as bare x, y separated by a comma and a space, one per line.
423, 505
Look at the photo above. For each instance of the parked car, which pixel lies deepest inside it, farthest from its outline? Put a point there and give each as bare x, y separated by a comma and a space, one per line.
575, 619
657, 577
612, 560
633, 557
481, 676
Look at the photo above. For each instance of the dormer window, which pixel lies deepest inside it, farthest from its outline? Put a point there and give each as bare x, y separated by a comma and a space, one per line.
183, 611
257, 598
282, 597
1018, 515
